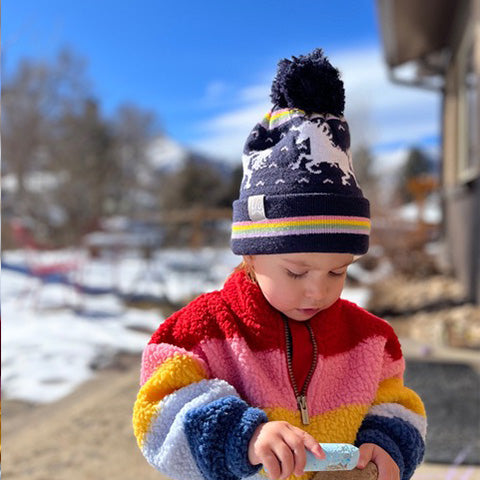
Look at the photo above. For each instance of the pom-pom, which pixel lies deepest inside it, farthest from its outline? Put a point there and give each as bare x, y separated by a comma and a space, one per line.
309, 83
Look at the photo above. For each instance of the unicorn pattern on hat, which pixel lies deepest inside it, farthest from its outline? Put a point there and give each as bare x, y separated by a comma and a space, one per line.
252, 163
300, 153
324, 140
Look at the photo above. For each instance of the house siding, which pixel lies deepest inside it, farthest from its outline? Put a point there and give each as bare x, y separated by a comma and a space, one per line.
461, 195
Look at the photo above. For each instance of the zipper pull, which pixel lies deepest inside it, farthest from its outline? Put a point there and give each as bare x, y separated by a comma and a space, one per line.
302, 405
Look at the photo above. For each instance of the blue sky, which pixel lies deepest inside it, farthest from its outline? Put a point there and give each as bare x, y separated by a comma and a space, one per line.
205, 68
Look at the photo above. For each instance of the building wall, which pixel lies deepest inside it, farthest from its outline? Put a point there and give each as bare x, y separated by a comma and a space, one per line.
459, 209
461, 162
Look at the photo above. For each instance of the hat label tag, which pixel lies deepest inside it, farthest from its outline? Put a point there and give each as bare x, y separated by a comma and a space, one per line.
256, 208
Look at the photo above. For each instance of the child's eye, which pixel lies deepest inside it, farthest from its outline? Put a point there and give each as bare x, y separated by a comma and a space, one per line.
295, 275
338, 274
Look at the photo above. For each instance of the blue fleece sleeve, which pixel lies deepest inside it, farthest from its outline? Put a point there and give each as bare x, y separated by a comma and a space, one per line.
399, 438
219, 433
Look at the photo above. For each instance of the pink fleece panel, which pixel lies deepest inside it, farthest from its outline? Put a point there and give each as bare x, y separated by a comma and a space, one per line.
156, 353
392, 368
260, 378
347, 378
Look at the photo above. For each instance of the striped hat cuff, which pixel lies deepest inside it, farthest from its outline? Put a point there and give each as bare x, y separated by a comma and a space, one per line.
301, 223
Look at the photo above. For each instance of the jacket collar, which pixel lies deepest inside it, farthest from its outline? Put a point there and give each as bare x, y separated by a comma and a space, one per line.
247, 301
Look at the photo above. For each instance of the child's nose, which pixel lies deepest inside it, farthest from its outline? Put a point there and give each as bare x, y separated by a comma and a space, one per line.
317, 290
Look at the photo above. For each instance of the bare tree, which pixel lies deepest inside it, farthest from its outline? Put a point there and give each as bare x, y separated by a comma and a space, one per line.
54, 125
196, 184
34, 98
363, 164
83, 157
133, 130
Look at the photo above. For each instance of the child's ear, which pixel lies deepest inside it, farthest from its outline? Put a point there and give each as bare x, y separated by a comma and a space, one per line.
248, 259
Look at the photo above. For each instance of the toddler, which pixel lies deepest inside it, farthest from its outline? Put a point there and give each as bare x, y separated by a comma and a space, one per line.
275, 362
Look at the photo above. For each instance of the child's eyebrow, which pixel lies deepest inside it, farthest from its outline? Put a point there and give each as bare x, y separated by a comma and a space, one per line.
300, 263
344, 265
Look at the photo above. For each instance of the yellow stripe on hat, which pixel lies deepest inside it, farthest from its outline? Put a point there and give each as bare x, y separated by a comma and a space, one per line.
281, 114
295, 223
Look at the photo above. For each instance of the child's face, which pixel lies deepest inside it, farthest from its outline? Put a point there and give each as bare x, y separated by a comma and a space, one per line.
301, 284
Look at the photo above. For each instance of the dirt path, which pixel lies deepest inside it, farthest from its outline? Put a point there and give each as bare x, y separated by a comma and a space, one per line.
87, 436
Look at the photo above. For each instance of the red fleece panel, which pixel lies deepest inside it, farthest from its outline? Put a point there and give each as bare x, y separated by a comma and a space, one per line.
240, 309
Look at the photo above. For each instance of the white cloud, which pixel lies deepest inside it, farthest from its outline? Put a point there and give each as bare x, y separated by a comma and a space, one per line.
255, 93
394, 113
379, 112
224, 134
215, 89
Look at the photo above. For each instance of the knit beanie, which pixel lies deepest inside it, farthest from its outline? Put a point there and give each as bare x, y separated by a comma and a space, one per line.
299, 192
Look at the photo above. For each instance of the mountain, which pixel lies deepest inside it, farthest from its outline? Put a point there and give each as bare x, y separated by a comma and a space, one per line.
166, 155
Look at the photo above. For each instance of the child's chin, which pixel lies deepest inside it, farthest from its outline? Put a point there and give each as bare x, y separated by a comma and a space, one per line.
304, 313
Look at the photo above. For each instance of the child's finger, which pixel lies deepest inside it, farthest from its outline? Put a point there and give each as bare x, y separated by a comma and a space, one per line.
285, 456
310, 442
296, 443
313, 446
272, 465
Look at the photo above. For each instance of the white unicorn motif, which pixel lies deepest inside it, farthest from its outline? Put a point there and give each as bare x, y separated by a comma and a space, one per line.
252, 163
322, 149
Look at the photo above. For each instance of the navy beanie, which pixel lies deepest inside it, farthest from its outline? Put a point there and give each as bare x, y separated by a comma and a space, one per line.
299, 192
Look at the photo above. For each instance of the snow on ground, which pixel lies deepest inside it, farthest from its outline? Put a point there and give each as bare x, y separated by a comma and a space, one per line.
51, 345
49, 350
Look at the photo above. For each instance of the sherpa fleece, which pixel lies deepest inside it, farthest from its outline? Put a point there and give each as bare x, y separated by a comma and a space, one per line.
216, 369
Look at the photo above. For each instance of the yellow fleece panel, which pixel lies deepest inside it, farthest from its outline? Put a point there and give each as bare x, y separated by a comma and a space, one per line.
335, 426
175, 373
392, 390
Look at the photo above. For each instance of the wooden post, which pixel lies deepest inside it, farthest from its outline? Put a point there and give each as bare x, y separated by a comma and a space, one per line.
370, 472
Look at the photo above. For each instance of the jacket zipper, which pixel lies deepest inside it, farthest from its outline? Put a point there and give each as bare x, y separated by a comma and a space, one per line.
300, 395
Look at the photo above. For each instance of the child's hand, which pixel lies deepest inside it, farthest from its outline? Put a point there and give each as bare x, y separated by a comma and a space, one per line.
387, 468
280, 447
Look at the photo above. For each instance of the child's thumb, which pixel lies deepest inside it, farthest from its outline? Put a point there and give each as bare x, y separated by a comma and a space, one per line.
366, 452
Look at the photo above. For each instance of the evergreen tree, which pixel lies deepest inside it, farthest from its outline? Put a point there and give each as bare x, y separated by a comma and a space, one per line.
418, 164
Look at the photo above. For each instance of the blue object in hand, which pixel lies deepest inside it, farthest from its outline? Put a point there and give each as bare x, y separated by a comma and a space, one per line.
338, 456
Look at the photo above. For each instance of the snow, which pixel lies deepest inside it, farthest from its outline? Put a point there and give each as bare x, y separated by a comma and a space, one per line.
360, 296
49, 350
35, 182
55, 338
431, 212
